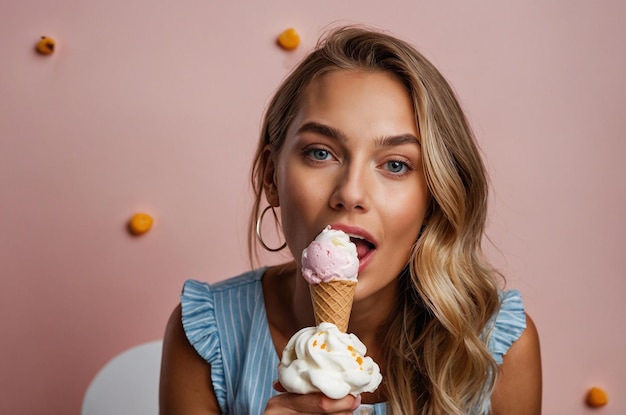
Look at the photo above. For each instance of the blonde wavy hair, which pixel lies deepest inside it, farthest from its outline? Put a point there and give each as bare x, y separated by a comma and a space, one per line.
437, 360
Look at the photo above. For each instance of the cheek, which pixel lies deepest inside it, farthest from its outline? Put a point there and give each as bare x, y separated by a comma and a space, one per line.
298, 194
302, 201
405, 218
301, 188
407, 208
409, 221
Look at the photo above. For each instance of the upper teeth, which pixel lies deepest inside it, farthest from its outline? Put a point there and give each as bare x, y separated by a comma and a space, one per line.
355, 236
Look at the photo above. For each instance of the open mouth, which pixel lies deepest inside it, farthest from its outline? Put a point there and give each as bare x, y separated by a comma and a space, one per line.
363, 246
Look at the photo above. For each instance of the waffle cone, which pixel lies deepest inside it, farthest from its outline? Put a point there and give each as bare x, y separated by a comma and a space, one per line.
332, 302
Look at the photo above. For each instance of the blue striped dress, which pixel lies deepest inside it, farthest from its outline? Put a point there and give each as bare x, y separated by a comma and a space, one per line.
227, 325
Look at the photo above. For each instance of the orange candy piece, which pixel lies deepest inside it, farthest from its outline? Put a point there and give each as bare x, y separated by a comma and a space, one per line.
597, 397
46, 45
140, 223
289, 39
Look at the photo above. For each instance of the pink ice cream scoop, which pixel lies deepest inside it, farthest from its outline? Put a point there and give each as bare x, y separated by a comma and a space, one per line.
330, 257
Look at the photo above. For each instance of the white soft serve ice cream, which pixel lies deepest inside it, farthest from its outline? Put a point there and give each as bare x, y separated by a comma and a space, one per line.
323, 359
331, 256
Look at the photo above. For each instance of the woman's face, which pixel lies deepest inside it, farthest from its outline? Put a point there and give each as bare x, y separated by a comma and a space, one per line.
352, 159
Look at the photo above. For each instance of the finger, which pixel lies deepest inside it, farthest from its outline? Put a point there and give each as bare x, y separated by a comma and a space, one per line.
357, 403
319, 403
279, 387
312, 403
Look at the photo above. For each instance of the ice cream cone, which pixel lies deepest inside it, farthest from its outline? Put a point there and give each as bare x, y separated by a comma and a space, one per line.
332, 302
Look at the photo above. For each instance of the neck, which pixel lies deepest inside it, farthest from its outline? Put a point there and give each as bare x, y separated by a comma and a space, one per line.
287, 300
369, 314
301, 302
289, 307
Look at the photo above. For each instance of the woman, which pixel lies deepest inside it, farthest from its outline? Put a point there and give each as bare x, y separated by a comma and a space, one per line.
367, 136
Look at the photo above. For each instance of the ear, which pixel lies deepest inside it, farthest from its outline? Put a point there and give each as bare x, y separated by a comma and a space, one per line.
269, 177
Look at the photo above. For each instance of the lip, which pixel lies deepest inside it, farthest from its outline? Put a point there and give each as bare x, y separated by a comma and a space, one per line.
356, 231
362, 233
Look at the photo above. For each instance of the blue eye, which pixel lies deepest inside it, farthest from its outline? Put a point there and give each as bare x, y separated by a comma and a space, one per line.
396, 166
319, 154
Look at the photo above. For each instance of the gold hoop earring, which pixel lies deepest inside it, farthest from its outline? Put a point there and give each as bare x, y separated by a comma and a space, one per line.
259, 221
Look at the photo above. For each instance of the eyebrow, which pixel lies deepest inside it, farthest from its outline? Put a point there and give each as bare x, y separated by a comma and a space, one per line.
397, 140
331, 132
322, 129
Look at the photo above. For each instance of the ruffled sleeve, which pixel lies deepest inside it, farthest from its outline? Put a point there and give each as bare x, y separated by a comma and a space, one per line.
198, 316
507, 325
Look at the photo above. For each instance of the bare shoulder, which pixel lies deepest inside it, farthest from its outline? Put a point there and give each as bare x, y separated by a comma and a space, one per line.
185, 386
518, 386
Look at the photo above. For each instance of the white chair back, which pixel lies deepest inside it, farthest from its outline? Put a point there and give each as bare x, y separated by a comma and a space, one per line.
128, 384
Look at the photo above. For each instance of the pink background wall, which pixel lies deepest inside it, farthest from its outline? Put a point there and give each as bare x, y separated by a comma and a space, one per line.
155, 106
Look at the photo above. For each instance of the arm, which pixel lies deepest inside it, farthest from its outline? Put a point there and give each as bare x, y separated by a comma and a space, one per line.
185, 387
518, 388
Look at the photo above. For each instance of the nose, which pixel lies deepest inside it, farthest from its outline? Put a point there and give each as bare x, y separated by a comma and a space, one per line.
351, 191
